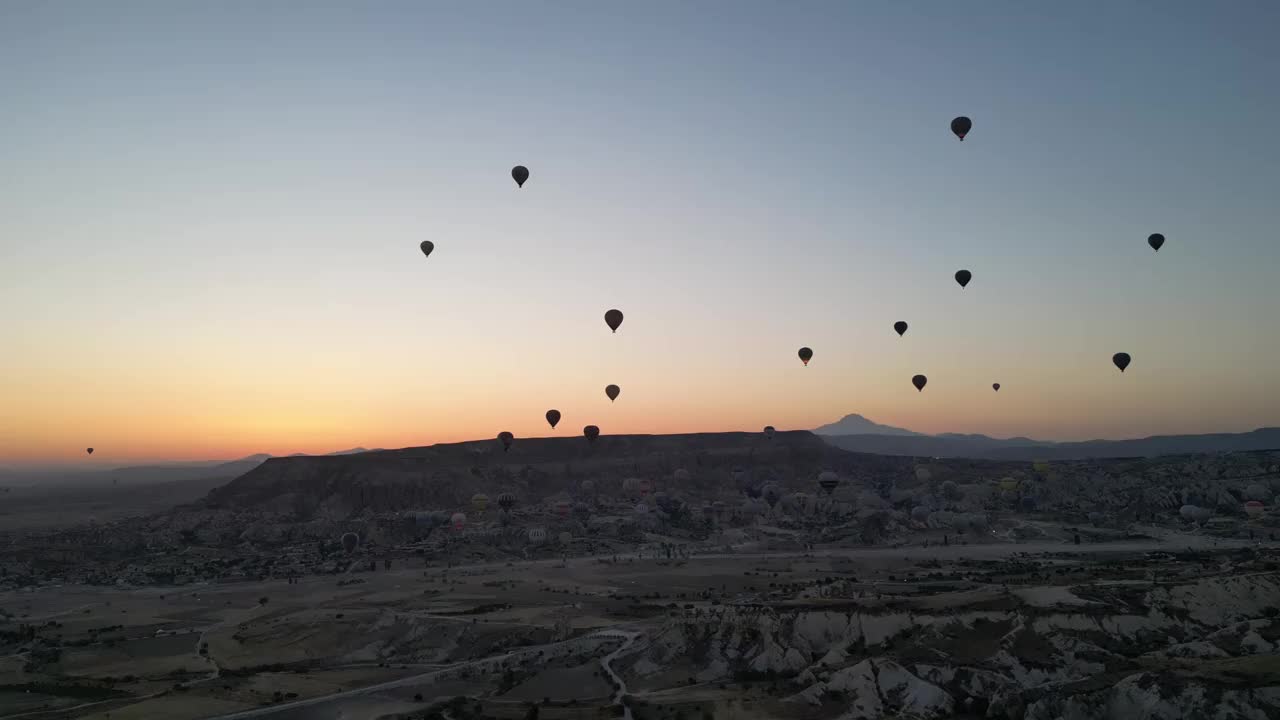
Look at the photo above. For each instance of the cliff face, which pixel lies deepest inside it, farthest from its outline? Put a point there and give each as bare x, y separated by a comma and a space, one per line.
442, 476
1209, 648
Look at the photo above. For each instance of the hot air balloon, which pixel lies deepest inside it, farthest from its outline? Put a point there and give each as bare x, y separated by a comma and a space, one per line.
642, 509
900, 327
919, 381
951, 491
923, 474
961, 126
768, 432
1095, 518
349, 541
537, 536
612, 391
963, 277
479, 502
89, 450
1256, 492
613, 319
995, 386
1121, 360
828, 481
582, 511
506, 439
553, 417
805, 355
681, 476
1156, 241
708, 511
630, 486
519, 173
1008, 484
772, 494
591, 432
506, 501
920, 514
588, 487
565, 538
1040, 466
1253, 508
562, 508
644, 486
458, 520
427, 246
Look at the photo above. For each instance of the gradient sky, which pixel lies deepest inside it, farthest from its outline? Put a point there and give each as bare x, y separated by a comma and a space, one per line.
210, 212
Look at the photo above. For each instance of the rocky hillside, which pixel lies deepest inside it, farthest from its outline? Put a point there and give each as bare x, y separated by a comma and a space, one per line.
1207, 648
444, 476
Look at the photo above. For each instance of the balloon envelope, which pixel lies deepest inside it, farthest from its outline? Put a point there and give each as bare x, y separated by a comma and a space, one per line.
612, 391
427, 246
506, 439
805, 355
961, 126
519, 173
1156, 241
919, 381
995, 386
768, 431
553, 417
900, 327
613, 319
349, 541
963, 277
89, 450
1121, 360
591, 432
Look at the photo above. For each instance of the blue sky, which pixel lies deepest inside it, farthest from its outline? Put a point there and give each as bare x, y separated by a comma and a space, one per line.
209, 215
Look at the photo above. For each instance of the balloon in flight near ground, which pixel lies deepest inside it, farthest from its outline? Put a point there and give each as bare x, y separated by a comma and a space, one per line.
506, 500
963, 277
900, 327
613, 319
553, 417
995, 386
805, 355
427, 246
89, 450
591, 432
519, 173
1121, 360
349, 541
612, 391
506, 439
961, 126
919, 381
1156, 241
768, 432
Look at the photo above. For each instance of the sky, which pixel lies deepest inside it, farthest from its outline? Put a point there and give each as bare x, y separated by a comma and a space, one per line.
210, 216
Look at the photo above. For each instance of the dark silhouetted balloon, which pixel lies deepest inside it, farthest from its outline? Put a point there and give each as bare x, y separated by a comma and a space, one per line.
506, 501
89, 450
520, 173
553, 417
613, 319
1156, 241
995, 386
963, 277
900, 327
805, 355
591, 432
768, 432
349, 541
427, 246
919, 381
612, 391
1121, 360
961, 126
506, 439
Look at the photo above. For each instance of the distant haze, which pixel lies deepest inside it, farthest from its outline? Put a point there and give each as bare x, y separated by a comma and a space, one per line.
210, 216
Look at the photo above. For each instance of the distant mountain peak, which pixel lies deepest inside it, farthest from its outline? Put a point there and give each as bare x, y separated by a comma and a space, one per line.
855, 424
